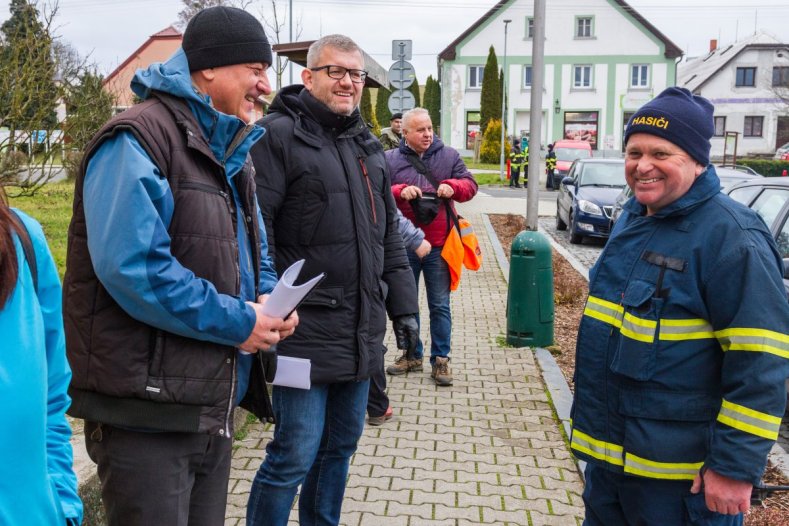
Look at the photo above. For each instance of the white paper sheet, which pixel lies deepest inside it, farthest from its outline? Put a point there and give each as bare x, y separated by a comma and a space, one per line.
286, 296
293, 372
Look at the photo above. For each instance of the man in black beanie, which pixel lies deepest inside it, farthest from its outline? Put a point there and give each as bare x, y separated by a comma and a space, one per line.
682, 350
167, 269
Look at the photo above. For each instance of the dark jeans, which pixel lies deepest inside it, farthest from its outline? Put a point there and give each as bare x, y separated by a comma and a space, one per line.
178, 479
316, 433
437, 282
614, 499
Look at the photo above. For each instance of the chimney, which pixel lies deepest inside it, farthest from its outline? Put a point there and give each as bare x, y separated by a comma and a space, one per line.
713, 45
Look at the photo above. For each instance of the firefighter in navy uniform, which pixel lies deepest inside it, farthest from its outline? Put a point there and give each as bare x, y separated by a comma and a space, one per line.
550, 166
516, 160
683, 348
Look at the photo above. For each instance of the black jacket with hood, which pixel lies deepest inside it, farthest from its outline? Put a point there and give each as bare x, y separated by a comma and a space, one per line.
325, 194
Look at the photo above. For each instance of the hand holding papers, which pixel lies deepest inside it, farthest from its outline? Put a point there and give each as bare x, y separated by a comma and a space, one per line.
291, 372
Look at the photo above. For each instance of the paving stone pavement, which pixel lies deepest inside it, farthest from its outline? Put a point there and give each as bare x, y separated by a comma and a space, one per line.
486, 450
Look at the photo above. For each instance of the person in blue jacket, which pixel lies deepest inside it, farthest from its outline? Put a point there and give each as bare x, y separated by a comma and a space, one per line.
683, 348
37, 482
167, 270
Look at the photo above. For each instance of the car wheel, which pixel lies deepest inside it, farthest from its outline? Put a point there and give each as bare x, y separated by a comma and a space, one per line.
560, 225
575, 238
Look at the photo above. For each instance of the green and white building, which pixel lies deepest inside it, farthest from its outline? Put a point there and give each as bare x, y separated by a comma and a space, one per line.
603, 60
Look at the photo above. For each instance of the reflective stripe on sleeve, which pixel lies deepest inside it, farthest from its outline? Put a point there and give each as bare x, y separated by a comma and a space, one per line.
755, 340
605, 311
661, 470
749, 420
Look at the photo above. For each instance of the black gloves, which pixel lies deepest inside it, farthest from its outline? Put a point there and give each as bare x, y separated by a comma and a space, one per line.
269, 361
406, 331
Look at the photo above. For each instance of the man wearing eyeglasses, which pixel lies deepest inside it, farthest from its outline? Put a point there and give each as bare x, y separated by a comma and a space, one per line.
325, 195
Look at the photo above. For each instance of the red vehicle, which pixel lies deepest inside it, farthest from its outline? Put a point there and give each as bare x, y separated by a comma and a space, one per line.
567, 152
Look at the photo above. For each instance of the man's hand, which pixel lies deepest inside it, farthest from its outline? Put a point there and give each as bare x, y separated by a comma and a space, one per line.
410, 192
445, 191
423, 249
723, 494
406, 331
265, 333
290, 323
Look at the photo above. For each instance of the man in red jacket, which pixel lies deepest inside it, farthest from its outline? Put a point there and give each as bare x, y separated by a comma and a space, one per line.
427, 178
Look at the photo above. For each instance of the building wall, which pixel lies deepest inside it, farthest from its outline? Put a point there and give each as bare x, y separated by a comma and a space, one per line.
157, 51
609, 96
736, 103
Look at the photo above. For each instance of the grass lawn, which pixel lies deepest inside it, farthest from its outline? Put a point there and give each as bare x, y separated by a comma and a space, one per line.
50, 206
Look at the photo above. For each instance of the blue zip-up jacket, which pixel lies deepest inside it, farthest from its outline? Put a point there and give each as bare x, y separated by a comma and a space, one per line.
37, 483
683, 349
128, 215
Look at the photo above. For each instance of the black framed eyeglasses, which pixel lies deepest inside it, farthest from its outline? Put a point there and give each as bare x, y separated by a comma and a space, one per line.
358, 76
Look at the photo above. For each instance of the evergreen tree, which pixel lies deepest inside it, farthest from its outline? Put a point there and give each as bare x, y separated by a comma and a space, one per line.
490, 97
490, 149
433, 102
366, 109
414, 89
382, 107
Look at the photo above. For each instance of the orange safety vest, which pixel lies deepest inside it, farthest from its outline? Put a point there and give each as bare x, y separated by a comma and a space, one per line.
461, 249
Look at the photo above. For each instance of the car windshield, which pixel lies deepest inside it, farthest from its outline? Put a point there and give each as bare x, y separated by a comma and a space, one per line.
571, 154
602, 174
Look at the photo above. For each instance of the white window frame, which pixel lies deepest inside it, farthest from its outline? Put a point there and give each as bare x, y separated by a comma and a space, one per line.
527, 67
479, 76
529, 31
644, 80
581, 27
589, 81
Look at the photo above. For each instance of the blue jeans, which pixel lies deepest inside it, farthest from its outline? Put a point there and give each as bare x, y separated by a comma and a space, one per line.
437, 282
316, 433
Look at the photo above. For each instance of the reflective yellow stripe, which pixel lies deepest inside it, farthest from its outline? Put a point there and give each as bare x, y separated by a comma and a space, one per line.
661, 470
749, 420
679, 330
605, 311
598, 449
638, 328
756, 340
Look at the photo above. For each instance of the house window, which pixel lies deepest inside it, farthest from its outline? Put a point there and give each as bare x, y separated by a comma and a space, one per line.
529, 28
639, 76
581, 126
475, 74
582, 76
720, 126
781, 77
527, 77
753, 126
745, 77
583, 27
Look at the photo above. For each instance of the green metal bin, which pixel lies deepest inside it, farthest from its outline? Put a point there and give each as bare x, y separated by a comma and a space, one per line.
530, 293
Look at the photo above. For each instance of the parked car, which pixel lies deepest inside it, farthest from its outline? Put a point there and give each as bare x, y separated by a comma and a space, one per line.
567, 152
586, 197
769, 197
780, 152
729, 176
739, 168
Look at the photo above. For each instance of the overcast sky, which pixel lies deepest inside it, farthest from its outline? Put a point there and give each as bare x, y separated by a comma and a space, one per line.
110, 30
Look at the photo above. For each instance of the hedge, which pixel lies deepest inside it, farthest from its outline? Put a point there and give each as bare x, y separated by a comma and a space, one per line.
767, 168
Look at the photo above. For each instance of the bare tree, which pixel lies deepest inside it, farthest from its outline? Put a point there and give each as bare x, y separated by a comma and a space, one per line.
275, 23
191, 8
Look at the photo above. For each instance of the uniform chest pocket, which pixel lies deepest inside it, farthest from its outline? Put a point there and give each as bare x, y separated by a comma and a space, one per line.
636, 353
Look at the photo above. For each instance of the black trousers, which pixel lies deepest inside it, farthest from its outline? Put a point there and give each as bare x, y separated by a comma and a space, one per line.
177, 479
515, 174
377, 401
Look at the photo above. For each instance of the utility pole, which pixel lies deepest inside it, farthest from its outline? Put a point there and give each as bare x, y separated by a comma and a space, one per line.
503, 102
535, 114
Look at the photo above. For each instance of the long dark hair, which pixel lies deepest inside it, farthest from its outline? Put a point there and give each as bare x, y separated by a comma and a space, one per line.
8, 268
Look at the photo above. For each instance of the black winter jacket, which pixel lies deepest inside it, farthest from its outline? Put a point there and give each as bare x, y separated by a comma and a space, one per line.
325, 194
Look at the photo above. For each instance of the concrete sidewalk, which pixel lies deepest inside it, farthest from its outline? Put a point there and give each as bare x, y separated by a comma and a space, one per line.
485, 451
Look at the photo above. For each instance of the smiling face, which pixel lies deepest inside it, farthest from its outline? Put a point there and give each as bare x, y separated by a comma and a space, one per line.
341, 96
418, 132
658, 171
234, 89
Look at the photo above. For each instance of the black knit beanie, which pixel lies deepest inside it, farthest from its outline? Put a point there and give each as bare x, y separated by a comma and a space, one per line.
223, 36
679, 117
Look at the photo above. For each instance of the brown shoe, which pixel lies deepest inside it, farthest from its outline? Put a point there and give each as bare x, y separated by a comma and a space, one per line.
379, 420
441, 373
402, 365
